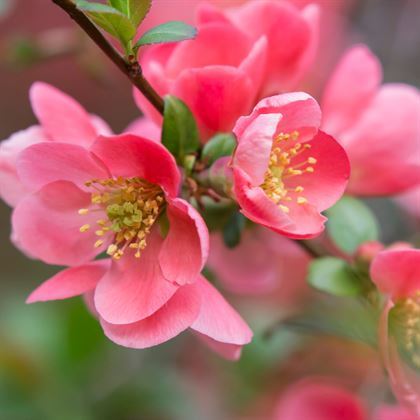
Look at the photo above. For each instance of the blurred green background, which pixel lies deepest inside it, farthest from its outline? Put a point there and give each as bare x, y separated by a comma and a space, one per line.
55, 362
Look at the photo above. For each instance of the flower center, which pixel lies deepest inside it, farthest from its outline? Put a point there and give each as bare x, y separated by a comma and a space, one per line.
281, 168
407, 322
132, 205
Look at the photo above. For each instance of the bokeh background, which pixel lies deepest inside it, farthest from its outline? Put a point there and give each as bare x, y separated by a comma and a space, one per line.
55, 362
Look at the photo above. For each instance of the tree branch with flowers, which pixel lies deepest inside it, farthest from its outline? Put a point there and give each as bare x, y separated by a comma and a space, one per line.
232, 170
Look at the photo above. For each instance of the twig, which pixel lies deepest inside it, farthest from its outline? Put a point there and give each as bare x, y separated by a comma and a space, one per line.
130, 68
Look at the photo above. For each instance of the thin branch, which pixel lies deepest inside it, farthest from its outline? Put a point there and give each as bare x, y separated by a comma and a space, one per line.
130, 68
309, 249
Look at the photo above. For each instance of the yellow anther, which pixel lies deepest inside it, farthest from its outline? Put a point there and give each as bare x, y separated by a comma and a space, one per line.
100, 233
84, 228
309, 169
98, 243
299, 189
284, 208
301, 200
83, 211
312, 160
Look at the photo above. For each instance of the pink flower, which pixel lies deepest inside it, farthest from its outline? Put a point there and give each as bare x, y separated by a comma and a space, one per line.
286, 171
319, 399
262, 263
396, 273
377, 125
389, 412
292, 37
218, 75
144, 127
410, 201
61, 119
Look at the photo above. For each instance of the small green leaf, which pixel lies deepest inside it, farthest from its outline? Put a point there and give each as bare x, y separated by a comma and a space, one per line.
167, 32
110, 20
233, 230
218, 146
334, 276
179, 132
350, 223
135, 10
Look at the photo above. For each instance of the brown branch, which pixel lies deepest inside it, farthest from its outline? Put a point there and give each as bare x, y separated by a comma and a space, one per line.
130, 68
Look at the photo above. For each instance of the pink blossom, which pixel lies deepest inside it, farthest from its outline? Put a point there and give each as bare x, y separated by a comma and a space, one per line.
390, 412
286, 171
396, 273
144, 127
61, 119
377, 125
292, 37
410, 201
319, 399
262, 263
218, 75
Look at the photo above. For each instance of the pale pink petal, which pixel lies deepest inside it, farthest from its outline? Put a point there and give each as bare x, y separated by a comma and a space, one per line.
393, 412
101, 126
185, 249
47, 162
47, 224
132, 156
208, 13
358, 72
217, 96
11, 189
254, 146
223, 45
397, 272
70, 282
62, 118
145, 127
134, 288
299, 112
410, 201
173, 318
316, 399
384, 144
217, 319
325, 186
227, 351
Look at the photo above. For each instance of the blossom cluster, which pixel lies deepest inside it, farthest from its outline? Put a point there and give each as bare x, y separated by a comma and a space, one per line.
128, 219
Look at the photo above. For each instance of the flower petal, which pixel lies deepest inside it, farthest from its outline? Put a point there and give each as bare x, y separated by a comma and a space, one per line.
128, 155
227, 351
145, 127
47, 224
48, 162
173, 318
397, 272
217, 319
62, 118
185, 249
134, 288
70, 282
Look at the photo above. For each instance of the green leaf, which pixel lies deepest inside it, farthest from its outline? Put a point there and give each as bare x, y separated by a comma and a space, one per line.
110, 20
135, 10
233, 230
179, 132
343, 317
167, 32
350, 223
335, 276
218, 146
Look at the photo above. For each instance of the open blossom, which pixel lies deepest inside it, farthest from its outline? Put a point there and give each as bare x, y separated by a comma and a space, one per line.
396, 273
111, 198
292, 37
319, 399
263, 263
286, 171
61, 119
218, 75
377, 125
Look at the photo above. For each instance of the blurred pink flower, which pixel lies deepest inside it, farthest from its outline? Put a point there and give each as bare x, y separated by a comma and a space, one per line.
263, 263
292, 37
410, 201
218, 75
377, 125
390, 412
319, 399
396, 273
61, 119
286, 171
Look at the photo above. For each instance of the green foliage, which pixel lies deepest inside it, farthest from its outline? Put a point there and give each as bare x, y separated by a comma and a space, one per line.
135, 10
179, 131
233, 230
167, 32
335, 276
220, 145
110, 20
350, 223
